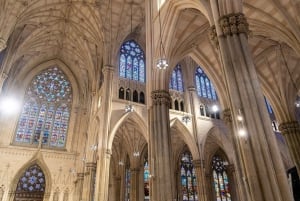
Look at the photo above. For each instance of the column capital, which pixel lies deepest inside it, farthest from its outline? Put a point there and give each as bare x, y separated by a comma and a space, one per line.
91, 165
289, 127
213, 36
2, 44
234, 23
227, 116
161, 97
192, 89
80, 176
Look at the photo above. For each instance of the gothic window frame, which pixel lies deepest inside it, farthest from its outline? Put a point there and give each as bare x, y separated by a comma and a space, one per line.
132, 63
204, 86
46, 110
176, 79
190, 181
220, 178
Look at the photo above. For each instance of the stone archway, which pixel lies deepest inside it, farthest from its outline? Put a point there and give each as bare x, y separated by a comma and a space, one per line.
31, 185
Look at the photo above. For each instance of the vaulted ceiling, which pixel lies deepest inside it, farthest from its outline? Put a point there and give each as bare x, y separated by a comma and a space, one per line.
81, 32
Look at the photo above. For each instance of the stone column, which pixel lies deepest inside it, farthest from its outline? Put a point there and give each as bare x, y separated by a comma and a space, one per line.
89, 182
200, 176
104, 152
117, 187
134, 187
79, 187
291, 133
264, 168
161, 186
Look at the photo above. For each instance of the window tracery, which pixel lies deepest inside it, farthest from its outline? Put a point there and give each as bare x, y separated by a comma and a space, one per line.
132, 61
220, 179
46, 110
204, 86
176, 81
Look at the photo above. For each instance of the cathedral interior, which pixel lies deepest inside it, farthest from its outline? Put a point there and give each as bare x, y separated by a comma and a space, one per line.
139, 100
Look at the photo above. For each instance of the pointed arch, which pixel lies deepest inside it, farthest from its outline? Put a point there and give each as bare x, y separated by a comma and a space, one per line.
38, 160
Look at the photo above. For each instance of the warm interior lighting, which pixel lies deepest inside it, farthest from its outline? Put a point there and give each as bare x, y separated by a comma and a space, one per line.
239, 118
215, 108
242, 132
162, 64
121, 163
9, 105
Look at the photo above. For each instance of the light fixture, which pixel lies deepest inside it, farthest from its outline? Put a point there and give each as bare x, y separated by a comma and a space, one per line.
297, 102
215, 108
93, 147
242, 132
120, 163
129, 108
239, 118
186, 119
162, 62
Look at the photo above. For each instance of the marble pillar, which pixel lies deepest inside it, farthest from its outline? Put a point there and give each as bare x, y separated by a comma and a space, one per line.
161, 186
264, 171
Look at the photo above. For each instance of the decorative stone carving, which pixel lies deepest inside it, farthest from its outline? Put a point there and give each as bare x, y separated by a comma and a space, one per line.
226, 116
213, 36
161, 97
2, 44
234, 23
289, 127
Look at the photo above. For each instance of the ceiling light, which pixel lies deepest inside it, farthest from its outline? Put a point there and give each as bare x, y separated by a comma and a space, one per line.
9, 105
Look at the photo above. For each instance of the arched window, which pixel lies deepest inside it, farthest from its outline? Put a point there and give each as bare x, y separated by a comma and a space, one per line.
132, 61
135, 97
142, 97
128, 94
176, 105
188, 178
127, 183
220, 179
204, 86
46, 110
121, 93
31, 185
146, 179
181, 106
176, 82
202, 113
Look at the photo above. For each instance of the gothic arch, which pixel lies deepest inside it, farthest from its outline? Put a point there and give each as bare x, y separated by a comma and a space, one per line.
134, 116
186, 136
38, 160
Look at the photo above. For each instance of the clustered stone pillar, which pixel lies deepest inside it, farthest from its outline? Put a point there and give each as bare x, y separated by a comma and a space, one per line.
79, 186
89, 181
264, 171
104, 152
200, 175
2, 44
161, 186
134, 186
291, 133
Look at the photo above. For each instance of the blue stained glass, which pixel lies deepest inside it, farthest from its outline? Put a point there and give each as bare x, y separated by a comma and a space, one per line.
135, 69
142, 71
132, 62
176, 82
32, 180
269, 107
204, 86
50, 88
208, 89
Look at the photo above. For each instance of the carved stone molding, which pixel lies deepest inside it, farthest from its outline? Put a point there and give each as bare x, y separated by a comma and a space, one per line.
234, 23
197, 163
226, 116
2, 44
213, 36
91, 165
80, 176
161, 97
289, 127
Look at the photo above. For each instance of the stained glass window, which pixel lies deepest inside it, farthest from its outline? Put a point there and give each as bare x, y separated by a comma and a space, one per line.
188, 178
220, 179
132, 61
46, 110
31, 183
176, 81
269, 107
146, 180
127, 184
204, 86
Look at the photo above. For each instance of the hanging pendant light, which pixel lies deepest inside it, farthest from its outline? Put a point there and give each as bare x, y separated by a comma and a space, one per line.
161, 62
